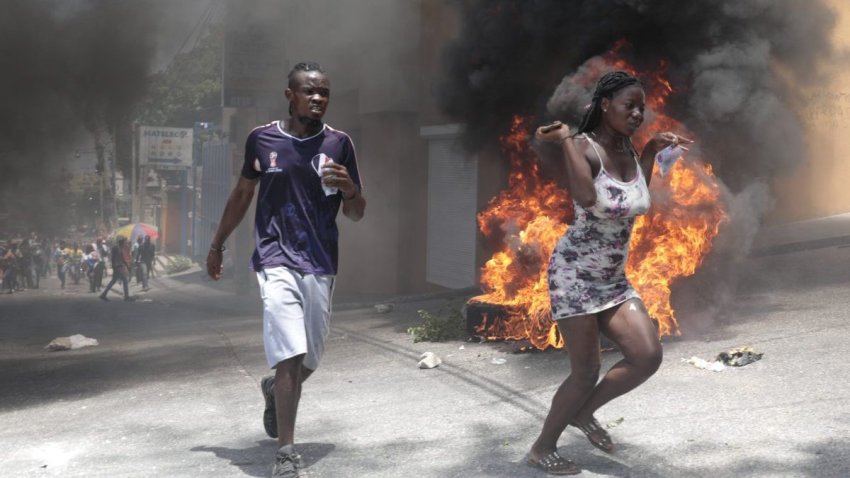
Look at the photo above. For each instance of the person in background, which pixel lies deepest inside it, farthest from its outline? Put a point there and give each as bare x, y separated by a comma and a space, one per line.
100, 266
140, 264
148, 256
91, 266
38, 262
103, 250
25, 276
120, 268
75, 263
9, 263
2, 269
60, 258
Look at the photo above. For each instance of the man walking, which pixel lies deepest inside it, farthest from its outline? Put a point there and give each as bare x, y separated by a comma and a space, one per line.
148, 256
305, 170
139, 264
9, 265
61, 256
120, 257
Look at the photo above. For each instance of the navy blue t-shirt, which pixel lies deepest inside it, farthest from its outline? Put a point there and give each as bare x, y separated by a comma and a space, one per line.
295, 224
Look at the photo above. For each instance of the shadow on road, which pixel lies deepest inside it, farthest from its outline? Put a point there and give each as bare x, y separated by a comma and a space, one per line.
257, 460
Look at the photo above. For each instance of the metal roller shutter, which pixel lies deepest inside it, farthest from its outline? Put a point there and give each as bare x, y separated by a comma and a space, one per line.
452, 193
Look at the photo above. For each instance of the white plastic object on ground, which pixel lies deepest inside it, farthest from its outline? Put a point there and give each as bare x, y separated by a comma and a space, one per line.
76, 341
429, 360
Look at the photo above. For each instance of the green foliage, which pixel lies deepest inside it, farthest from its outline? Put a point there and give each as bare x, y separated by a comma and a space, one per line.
178, 264
189, 89
438, 328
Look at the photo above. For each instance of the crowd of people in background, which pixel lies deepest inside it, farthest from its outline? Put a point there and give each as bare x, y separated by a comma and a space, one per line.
24, 262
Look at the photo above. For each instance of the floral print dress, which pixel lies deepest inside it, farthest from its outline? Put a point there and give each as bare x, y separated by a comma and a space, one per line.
587, 270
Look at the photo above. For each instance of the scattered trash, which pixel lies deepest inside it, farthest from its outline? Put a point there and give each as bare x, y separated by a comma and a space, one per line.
384, 308
739, 356
429, 360
498, 361
705, 364
461, 348
736, 357
614, 423
73, 342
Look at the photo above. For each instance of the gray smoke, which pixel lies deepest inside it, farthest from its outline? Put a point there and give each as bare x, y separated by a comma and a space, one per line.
72, 70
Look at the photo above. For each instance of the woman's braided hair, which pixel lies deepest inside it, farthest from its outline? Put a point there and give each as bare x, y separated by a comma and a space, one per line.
609, 84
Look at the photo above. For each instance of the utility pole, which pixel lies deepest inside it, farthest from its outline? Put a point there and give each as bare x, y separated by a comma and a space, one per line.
134, 176
98, 167
98, 150
113, 161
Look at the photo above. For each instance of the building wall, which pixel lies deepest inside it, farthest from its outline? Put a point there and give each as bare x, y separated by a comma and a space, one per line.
440, 25
818, 187
371, 249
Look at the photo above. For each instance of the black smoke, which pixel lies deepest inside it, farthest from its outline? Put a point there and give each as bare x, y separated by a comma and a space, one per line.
725, 59
738, 68
71, 70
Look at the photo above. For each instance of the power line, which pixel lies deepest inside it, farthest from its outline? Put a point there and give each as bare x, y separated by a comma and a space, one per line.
211, 18
203, 20
200, 22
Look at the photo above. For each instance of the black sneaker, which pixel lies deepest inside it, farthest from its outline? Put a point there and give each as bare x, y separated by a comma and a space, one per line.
287, 463
270, 413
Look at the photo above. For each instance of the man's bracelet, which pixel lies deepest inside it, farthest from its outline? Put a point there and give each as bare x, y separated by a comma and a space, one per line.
218, 249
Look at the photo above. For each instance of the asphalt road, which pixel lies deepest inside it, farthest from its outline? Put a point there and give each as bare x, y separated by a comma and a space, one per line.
172, 389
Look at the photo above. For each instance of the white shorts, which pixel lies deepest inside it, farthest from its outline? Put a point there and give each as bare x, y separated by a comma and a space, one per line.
296, 314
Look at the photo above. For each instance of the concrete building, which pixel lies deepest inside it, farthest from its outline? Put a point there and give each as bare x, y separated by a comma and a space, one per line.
819, 187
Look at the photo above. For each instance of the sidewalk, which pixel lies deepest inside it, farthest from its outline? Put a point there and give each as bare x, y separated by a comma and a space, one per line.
817, 233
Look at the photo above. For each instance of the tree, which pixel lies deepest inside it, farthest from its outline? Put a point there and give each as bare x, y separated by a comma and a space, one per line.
189, 89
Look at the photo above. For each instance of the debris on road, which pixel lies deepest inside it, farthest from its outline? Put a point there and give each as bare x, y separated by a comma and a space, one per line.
429, 360
498, 361
384, 308
705, 364
739, 356
73, 342
736, 357
614, 423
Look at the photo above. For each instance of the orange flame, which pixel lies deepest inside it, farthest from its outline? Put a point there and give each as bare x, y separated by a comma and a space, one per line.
668, 243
